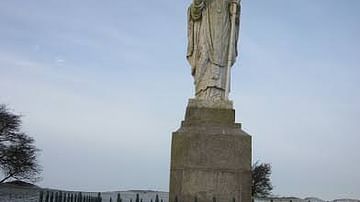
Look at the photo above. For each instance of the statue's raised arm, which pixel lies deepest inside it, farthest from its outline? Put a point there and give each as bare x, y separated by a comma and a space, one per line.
213, 30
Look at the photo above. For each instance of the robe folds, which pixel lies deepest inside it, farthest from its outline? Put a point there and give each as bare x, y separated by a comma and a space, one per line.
209, 27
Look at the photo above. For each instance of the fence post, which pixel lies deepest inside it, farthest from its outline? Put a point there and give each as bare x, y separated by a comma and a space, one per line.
47, 196
52, 197
60, 196
41, 196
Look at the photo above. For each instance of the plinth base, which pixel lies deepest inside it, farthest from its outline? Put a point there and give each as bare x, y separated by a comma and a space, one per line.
210, 157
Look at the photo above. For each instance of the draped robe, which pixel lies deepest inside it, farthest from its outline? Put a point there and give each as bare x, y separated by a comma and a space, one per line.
209, 28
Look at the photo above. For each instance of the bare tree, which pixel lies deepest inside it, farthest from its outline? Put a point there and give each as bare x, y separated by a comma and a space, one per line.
18, 154
261, 182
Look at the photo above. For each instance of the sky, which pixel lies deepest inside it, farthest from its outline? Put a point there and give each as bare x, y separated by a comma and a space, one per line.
102, 85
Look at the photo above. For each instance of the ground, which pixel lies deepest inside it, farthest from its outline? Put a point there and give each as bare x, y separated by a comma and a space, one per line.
28, 193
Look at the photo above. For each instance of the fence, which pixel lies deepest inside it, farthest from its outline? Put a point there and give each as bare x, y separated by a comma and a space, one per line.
59, 196
50, 196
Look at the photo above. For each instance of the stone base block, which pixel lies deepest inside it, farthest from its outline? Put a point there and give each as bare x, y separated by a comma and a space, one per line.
210, 158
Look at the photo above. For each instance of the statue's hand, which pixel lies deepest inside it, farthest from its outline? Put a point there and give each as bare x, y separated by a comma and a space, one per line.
196, 9
233, 6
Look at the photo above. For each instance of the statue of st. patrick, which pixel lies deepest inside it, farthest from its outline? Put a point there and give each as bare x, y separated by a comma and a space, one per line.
209, 43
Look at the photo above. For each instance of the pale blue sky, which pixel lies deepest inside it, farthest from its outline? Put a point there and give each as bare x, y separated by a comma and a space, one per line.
102, 85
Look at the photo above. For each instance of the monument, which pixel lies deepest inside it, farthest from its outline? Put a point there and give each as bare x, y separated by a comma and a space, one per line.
210, 153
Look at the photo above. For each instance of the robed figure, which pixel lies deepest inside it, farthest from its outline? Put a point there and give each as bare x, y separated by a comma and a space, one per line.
209, 33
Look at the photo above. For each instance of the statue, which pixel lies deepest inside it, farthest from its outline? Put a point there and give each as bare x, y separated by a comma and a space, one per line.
213, 30
210, 153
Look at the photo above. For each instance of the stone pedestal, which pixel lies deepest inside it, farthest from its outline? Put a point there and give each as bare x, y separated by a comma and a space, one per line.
210, 156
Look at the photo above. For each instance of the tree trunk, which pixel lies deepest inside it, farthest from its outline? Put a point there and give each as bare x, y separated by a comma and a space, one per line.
6, 178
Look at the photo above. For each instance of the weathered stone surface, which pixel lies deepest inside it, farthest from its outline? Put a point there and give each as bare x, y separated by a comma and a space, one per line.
223, 104
213, 32
210, 157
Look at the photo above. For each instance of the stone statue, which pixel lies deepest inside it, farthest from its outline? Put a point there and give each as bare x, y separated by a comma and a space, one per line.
213, 30
210, 153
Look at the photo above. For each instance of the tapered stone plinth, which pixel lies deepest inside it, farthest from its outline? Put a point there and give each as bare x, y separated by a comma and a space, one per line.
210, 156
